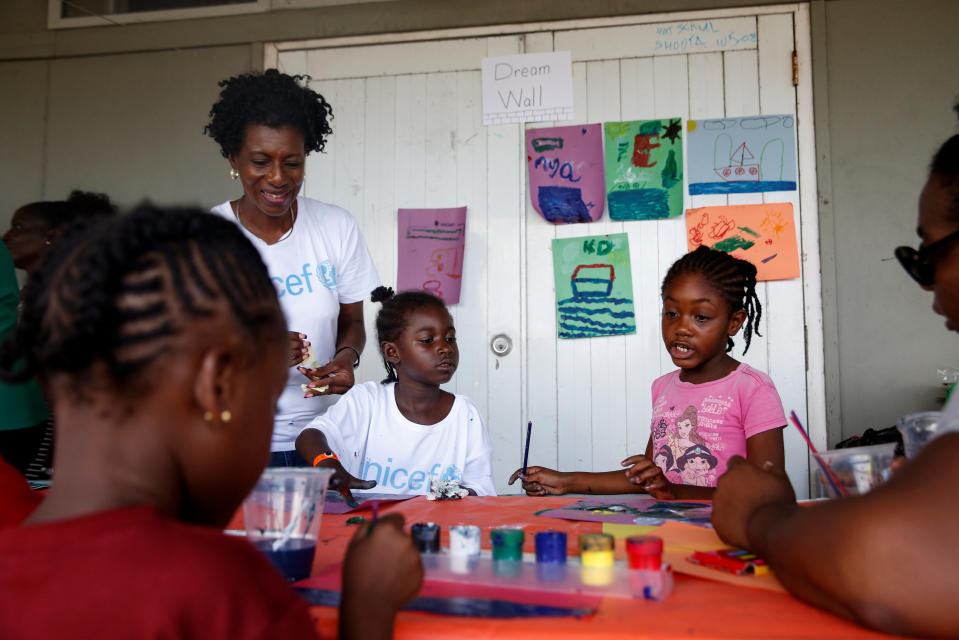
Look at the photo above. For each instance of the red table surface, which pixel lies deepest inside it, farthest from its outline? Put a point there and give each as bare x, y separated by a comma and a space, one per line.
696, 608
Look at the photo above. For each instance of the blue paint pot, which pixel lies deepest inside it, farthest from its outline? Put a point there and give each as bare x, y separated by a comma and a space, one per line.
551, 547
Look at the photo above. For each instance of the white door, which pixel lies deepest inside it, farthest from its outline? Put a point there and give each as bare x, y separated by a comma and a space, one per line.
408, 133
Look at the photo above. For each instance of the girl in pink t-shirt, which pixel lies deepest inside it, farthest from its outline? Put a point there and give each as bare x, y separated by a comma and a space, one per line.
710, 409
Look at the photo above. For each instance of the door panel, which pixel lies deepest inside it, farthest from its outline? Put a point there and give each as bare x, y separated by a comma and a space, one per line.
408, 133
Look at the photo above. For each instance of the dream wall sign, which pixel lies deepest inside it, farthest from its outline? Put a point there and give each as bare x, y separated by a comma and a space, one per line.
594, 286
763, 234
431, 247
741, 155
566, 172
644, 169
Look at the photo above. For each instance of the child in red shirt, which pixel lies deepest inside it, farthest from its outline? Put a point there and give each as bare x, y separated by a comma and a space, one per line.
163, 348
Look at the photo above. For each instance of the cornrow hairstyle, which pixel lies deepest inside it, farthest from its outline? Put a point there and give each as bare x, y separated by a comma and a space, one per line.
391, 320
119, 292
945, 167
272, 99
81, 206
732, 278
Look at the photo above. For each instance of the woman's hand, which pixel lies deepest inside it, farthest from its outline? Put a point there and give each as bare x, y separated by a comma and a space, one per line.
540, 481
335, 377
742, 491
299, 348
645, 473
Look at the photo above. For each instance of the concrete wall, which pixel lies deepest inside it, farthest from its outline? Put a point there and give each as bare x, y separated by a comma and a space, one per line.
121, 109
890, 82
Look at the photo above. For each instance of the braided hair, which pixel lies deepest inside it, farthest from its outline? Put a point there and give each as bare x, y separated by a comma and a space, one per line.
391, 320
732, 278
119, 292
272, 99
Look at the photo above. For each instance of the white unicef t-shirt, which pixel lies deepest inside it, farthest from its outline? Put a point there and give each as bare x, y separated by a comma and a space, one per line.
374, 441
324, 262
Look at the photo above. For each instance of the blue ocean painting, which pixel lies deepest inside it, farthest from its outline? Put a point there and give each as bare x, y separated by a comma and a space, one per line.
594, 290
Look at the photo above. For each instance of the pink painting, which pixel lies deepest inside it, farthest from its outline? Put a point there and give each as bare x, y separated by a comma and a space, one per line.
566, 179
431, 247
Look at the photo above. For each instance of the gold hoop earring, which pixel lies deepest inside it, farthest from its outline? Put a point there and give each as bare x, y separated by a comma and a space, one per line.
225, 415
234, 174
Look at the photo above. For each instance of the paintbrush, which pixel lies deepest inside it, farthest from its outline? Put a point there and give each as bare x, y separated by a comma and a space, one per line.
830, 476
529, 431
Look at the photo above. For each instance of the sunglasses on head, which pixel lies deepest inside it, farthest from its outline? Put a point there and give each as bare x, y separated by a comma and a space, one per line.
921, 264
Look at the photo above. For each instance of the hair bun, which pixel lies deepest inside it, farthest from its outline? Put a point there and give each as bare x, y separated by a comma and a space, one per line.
380, 294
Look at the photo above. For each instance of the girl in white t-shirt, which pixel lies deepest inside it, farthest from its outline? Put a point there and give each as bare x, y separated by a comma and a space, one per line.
400, 434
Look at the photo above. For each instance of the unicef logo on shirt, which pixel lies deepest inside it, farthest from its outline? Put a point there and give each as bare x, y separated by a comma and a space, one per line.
326, 273
296, 284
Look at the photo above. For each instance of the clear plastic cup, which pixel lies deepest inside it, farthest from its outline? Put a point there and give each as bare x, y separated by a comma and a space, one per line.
858, 469
282, 517
917, 429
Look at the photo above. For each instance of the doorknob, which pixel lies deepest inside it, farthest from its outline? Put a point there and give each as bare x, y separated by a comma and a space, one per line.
501, 344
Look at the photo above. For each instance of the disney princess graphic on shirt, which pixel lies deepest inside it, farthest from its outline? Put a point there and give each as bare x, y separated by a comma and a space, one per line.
684, 434
663, 459
696, 466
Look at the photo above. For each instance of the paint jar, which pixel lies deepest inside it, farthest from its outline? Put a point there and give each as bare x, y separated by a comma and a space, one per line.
464, 548
551, 556
596, 557
507, 551
645, 552
551, 547
507, 543
426, 537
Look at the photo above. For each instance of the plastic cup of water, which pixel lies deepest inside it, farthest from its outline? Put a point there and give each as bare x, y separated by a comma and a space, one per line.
917, 429
282, 517
858, 469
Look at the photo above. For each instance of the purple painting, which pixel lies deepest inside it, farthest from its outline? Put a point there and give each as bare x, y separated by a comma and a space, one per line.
641, 511
431, 247
566, 180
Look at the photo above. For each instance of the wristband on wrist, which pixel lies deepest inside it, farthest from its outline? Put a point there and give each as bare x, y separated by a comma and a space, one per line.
356, 353
324, 456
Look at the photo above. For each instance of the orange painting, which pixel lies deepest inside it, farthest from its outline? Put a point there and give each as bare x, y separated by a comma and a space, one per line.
763, 234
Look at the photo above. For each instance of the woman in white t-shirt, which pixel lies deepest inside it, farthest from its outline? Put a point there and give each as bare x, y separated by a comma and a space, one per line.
400, 434
266, 124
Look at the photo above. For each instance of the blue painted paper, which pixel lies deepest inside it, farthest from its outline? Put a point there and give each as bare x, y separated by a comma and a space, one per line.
741, 155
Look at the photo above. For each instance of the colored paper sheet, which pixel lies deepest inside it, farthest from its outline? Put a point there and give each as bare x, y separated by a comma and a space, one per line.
336, 504
681, 540
623, 531
639, 511
741, 155
763, 234
594, 286
431, 248
644, 169
566, 181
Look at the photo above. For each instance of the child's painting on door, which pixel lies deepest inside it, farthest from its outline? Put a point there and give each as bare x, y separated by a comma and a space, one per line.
644, 169
594, 286
431, 247
566, 172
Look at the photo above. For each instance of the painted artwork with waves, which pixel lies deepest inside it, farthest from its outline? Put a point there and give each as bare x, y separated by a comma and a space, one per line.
644, 169
594, 286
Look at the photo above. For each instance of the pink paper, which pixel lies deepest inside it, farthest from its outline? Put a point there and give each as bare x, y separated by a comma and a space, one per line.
566, 179
431, 248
